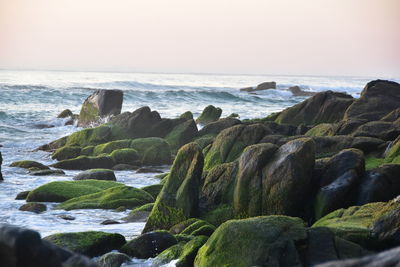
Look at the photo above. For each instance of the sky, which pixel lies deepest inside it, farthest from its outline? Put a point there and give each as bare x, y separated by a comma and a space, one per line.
303, 37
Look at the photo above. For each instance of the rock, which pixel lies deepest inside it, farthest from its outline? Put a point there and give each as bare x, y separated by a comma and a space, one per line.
198, 227
66, 217
53, 145
91, 243
124, 167
379, 129
96, 174
380, 184
148, 170
125, 156
338, 182
108, 222
261, 86
323, 129
374, 225
109, 147
27, 164
100, 104
229, 144
85, 163
65, 113
64, 190
149, 245
347, 127
113, 259
153, 190
23, 247
184, 252
178, 199
389, 258
265, 241
182, 134
153, 150
110, 198
217, 126
66, 152
209, 114
296, 91
140, 214
95, 136
22, 195
324, 107
287, 179
47, 172
378, 99
33, 207
392, 116
188, 115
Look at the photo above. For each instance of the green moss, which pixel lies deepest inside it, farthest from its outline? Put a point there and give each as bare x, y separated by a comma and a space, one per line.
209, 114
323, 129
164, 217
188, 115
124, 156
91, 243
205, 140
85, 162
146, 207
220, 215
111, 146
153, 190
95, 136
195, 226
111, 198
372, 162
87, 151
64, 190
26, 164
153, 150
66, 152
89, 113
181, 134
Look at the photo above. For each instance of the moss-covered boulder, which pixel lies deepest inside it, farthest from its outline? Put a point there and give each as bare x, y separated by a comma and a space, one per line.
28, 164
113, 259
149, 245
374, 225
62, 191
85, 163
140, 214
95, 136
209, 114
65, 113
183, 252
100, 104
33, 207
152, 150
153, 190
91, 243
229, 144
216, 127
394, 150
259, 241
379, 129
182, 134
125, 156
324, 107
323, 129
178, 199
193, 227
110, 198
287, 179
96, 174
46, 172
111, 146
66, 152
188, 115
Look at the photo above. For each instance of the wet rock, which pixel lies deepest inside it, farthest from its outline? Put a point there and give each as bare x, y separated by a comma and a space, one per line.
140, 214
125, 156
66, 152
47, 172
379, 129
27, 164
113, 259
261, 86
107, 222
65, 113
182, 134
324, 107
100, 104
53, 145
124, 167
149, 245
22, 195
85, 163
209, 114
188, 115
392, 116
91, 243
178, 199
296, 91
153, 150
153, 190
217, 126
96, 174
377, 100
33, 207
66, 217
148, 170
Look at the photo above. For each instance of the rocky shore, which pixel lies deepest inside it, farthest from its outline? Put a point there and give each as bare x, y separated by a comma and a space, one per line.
316, 184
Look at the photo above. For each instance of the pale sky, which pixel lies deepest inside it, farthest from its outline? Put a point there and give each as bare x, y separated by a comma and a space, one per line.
321, 37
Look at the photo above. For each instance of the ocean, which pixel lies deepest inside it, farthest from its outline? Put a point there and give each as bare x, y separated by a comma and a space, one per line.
31, 100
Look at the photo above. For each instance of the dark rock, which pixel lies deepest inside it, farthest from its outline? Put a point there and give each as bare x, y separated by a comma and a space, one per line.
47, 172
140, 214
149, 245
153, 190
148, 170
66, 152
66, 217
33, 207
209, 114
182, 134
188, 115
378, 99
346, 127
113, 259
379, 129
392, 116
90, 243
296, 91
22, 195
107, 222
54, 144
27, 164
124, 167
96, 174
261, 86
217, 126
85, 163
100, 104
324, 107
65, 113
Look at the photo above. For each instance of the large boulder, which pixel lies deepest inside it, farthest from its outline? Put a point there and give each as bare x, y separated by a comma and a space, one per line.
91, 243
29, 164
96, 174
379, 129
182, 134
259, 241
96, 136
66, 152
209, 114
23, 247
260, 87
152, 150
378, 99
85, 163
113, 259
214, 128
100, 104
178, 199
324, 107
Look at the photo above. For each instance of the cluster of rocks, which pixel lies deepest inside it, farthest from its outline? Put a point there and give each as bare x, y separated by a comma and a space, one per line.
314, 184
295, 90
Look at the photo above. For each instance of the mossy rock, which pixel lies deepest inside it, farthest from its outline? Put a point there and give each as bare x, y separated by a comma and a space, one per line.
193, 227
188, 115
140, 214
33, 207
394, 150
265, 241
46, 172
204, 141
91, 243
87, 151
65, 113
359, 223
27, 164
95, 136
178, 199
96, 174
111, 198
64, 190
323, 129
153, 190
85, 163
111, 146
372, 162
220, 215
66, 152
183, 252
113, 259
209, 114
125, 156
152, 150
182, 134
